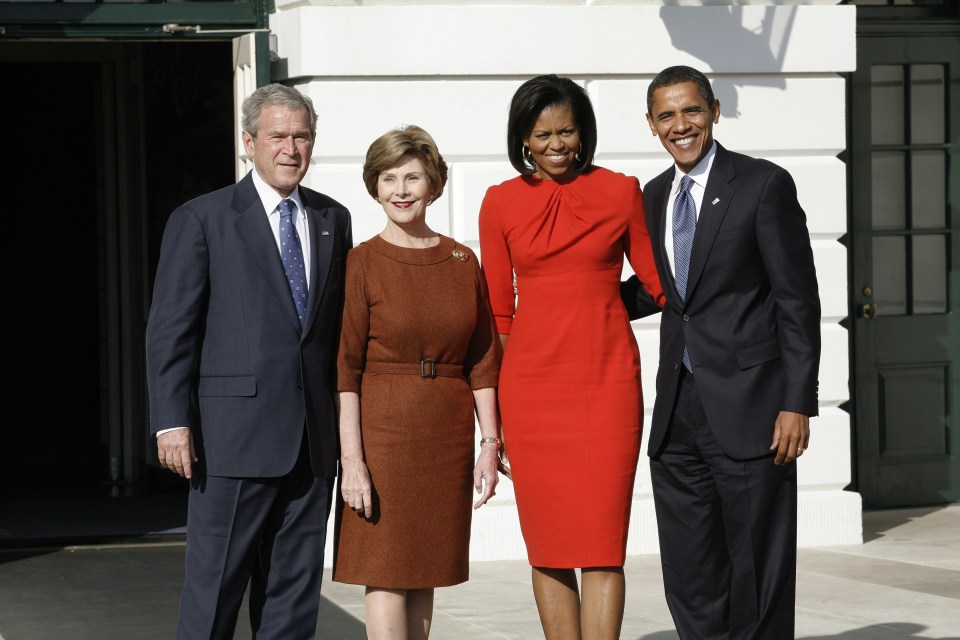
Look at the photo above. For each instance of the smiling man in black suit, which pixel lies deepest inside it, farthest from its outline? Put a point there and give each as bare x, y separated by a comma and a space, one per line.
737, 383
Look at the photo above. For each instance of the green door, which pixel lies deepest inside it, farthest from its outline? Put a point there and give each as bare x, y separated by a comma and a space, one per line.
905, 186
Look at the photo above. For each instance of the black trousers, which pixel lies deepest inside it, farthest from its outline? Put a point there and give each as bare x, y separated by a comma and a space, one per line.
265, 532
728, 533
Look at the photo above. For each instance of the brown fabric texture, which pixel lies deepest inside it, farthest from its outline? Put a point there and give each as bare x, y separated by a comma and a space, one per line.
404, 305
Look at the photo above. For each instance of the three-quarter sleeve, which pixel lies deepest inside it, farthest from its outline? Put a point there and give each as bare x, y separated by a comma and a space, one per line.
482, 363
638, 249
497, 264
355, 328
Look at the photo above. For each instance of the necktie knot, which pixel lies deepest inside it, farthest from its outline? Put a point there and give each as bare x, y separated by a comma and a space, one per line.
287, 207
685, 183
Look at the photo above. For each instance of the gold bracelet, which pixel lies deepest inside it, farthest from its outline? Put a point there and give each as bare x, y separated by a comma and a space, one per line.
490, 440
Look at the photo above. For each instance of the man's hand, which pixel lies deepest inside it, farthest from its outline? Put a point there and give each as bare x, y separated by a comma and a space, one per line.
791, 436
175, 450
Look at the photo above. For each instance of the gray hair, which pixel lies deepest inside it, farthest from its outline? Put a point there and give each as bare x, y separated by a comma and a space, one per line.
278, 95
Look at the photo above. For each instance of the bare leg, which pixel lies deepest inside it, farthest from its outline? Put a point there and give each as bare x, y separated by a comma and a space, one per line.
386, 613
419, 613
601, 612
558, 601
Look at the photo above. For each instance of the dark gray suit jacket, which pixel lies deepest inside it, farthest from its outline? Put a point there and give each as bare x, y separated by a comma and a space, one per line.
226, 355
751, 318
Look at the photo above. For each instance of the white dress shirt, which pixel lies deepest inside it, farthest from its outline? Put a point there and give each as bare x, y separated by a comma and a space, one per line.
699, 174
271, 204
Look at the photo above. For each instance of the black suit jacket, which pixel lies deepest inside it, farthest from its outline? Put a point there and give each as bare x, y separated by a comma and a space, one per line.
751, 318
226, 355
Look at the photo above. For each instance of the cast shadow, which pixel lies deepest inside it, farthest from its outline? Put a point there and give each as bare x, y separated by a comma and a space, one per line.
762, 48
876, 522
885, 631
334, 623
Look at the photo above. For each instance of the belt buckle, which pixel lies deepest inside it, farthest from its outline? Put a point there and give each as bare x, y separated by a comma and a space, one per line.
428, 368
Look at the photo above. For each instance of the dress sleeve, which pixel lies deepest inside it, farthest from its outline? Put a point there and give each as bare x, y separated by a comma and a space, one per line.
497, 264
638, 250
355, 329
482, 364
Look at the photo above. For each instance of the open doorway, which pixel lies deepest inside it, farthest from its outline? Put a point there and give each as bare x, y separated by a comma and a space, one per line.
104, 140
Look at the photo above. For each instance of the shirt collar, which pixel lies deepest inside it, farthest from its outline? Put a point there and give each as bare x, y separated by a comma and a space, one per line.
270, 198
700, 173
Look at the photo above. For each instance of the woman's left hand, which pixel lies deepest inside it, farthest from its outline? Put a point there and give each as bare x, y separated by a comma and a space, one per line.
485, 476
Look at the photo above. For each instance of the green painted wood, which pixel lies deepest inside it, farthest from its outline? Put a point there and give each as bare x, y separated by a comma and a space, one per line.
906, 359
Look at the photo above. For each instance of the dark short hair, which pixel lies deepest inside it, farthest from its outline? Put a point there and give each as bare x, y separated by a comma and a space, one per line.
408, 141
277, 95
678, 75
528, 103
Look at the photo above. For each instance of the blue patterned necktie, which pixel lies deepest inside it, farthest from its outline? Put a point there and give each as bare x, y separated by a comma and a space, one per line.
292, 255
684, 228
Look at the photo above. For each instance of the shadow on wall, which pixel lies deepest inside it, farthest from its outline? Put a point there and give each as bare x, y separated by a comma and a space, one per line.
757, 49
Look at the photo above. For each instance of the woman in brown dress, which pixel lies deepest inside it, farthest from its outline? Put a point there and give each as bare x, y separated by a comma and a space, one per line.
419, 354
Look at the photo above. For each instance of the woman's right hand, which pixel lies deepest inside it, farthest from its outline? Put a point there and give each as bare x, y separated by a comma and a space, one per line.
356, 488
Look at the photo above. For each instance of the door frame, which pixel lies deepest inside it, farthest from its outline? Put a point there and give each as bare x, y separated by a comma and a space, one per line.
883, 22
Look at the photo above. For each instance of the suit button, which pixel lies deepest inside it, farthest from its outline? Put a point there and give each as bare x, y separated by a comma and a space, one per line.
300, 385
675, 366
686, 318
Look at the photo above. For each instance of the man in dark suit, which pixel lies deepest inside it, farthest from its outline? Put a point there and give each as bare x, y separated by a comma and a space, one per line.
737, 382
241, 353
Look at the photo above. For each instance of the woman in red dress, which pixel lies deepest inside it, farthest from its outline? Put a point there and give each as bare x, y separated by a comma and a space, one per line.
569, 391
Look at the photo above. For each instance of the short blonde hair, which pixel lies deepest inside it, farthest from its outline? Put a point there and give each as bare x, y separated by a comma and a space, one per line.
407, 141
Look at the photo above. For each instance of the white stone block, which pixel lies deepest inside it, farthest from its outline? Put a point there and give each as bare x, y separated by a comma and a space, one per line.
329, 41
466, 117
753, 120
826, 464
472, 179
830, 258
834, 374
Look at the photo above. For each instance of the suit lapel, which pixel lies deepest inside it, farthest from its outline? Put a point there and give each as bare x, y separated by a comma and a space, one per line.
322, 240
254, 230
716, 199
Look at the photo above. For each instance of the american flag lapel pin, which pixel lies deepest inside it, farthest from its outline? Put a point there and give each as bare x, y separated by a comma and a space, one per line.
715, 201
324, 233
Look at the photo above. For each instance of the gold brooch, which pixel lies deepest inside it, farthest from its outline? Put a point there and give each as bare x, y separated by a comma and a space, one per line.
459, 255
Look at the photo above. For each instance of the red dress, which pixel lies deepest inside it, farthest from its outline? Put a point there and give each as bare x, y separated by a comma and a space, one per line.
569, 391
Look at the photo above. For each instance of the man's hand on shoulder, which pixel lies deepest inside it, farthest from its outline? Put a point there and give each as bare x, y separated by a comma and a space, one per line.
176, 453
791, 436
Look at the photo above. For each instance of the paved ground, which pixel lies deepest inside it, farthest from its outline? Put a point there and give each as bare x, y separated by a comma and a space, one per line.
903, 583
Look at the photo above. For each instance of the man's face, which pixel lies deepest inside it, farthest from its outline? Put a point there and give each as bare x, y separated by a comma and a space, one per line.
281, 151
683, 121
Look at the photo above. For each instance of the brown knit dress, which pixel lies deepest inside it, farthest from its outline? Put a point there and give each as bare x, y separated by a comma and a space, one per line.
403, 306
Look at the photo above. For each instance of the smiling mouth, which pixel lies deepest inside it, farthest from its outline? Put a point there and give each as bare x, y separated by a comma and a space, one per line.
682, 142
556, 157
402, 205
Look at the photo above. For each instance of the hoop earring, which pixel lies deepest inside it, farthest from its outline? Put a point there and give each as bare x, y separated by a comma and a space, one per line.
527, 157
576, 156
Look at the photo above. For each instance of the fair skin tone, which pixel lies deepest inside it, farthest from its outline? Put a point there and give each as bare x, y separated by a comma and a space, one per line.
281, 153
683, 120
404, 192
553, 142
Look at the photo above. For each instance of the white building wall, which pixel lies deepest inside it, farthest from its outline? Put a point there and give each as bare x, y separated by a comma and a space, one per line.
451, 67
